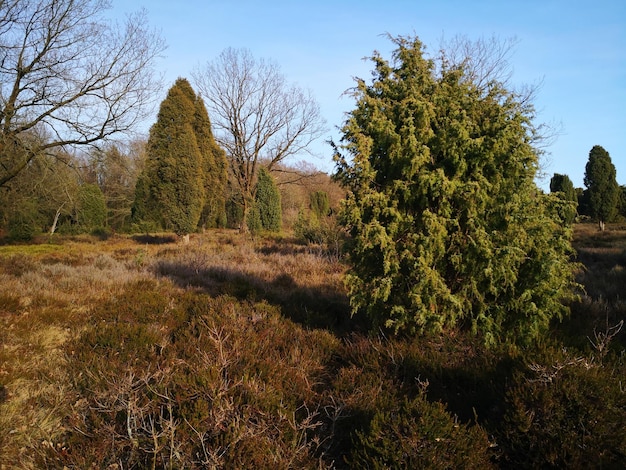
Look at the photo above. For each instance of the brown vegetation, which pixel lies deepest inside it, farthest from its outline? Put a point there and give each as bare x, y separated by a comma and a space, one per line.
230, 352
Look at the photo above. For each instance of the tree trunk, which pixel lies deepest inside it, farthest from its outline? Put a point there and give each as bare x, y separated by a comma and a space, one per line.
248, 202
56, 220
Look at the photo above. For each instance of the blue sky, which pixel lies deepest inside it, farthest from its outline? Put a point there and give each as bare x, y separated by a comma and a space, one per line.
575, 49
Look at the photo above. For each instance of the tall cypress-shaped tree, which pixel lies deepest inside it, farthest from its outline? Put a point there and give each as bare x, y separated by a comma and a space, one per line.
267, 202
602, 188
214, 166
446, 224
320, 206
172, 186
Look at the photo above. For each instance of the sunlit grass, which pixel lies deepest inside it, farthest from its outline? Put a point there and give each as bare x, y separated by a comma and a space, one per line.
46, 294
50, 292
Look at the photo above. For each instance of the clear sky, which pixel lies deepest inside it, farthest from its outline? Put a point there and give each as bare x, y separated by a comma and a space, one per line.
575, 50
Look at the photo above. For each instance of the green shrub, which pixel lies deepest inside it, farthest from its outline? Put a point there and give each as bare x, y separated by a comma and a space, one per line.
267, 202
92, 210
254, 220
420, 434
21, 227
325, 233
320, 205
566, 412
447, 226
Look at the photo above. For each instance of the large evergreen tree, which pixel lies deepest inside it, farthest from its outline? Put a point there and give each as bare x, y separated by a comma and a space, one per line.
214, 167
184, 176
447, 226
603, 190
91, 210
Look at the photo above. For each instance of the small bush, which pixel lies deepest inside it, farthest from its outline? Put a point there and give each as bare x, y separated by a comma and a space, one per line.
420, 434
321, 232
21, 228
566, 412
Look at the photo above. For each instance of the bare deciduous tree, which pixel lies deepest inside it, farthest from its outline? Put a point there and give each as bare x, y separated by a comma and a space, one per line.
256, 115
69, 76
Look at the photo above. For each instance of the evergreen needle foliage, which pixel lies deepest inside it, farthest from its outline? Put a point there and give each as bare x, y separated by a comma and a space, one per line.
603, 190
92, 210
267, 200
563, 186
183, 184
447, 225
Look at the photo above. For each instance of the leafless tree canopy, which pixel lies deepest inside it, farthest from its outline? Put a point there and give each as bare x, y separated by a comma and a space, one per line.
256, 115
68, 76
486, 63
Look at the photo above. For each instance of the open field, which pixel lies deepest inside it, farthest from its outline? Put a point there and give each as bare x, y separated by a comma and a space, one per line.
141, 352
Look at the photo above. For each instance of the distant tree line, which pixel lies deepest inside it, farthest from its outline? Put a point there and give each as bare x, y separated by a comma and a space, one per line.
181, 179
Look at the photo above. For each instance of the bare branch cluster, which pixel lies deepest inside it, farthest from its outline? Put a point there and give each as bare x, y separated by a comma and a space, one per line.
602, 339
69, 76
256, 115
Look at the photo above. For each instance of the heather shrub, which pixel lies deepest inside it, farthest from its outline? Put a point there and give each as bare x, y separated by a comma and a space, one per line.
232, 352
417, 433
566, 411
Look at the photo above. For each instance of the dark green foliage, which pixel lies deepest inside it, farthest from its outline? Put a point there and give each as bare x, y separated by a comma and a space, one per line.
92, 211
234, 214
320, 206
214, 167
602, 187
253, 221
267, 202
23, 224
183, 183
582, 198
446, 222
563, 186
420, 434
140, 210
566, 411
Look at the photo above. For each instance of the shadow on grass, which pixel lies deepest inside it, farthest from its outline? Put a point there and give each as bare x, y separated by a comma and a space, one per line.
319, 306
147, 239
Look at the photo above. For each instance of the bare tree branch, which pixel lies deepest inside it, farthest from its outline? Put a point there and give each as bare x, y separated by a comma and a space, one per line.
256, 115
69, 77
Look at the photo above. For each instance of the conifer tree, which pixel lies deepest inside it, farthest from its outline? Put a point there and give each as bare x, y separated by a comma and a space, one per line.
267, 202
602, 188
214, 167
91, 211
446, 224
173, 181
320, 206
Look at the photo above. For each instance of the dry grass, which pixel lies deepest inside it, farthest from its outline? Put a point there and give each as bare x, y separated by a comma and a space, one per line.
49, 293
604, 257
46, 294
230, 352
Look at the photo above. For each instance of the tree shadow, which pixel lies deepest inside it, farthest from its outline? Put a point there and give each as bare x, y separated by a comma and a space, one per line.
147, 239
319, 306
